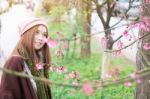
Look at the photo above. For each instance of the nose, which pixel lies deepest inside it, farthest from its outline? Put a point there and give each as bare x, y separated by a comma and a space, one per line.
40, 37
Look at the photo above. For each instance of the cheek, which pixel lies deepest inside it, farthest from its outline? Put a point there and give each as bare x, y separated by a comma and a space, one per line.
43, 44
35, 37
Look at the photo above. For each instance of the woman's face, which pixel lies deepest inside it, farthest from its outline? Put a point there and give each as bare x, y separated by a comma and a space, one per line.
39, 38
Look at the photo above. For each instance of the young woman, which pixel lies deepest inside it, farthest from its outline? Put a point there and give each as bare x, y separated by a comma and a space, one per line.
30, 51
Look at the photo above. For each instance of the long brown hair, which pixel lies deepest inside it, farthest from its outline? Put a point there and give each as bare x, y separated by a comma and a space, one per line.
26, 43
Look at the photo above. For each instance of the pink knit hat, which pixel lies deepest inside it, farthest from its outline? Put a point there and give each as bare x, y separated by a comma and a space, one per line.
29, 23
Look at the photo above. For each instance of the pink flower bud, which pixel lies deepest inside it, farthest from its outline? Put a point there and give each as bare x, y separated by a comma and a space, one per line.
87, 89
146, 46
128, 84
39, 66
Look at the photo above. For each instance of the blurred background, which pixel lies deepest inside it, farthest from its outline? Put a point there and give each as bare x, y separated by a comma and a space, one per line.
87, 37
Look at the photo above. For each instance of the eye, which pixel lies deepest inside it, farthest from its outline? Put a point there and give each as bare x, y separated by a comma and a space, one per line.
37, 32
44, 34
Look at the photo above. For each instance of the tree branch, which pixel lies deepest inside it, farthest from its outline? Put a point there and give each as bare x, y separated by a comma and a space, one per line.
96, 84
127, 45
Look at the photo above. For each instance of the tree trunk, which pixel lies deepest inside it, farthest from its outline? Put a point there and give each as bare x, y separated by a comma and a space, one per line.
143, 62
86, 22
105, 64
109, 5
74, 46
85, 47
106, 56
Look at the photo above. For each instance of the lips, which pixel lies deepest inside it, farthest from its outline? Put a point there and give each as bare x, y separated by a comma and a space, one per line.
39, 43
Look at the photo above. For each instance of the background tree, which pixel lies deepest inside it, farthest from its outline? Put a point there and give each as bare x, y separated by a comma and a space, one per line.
86, 12
143, 59
104, 9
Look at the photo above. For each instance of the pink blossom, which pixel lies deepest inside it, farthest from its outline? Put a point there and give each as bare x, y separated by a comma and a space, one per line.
146, 46
145, 24
144, 27
138, 81
59, 53
71, 75
108, 75
39, 66
59, 70
128, 84
125, 33
147, 1
87, 88
75, 83
146, 21
129, 37
119, 44
63, 68
134, 25
77, 75
51, 43
52, 68
133, 75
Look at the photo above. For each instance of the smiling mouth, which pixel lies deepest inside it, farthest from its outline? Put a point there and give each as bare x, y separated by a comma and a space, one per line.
38, 43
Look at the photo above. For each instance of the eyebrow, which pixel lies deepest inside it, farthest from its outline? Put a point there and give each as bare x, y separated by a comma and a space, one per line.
45, 32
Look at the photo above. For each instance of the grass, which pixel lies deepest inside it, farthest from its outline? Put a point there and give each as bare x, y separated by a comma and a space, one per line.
89, 69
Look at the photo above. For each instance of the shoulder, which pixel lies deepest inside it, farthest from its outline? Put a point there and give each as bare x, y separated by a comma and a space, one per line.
14, 62
15, 58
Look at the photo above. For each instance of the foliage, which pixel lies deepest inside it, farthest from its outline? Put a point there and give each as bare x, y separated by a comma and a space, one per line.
38, 11
46, 4
60, 23
89, 70
64, 28
57, 12
117, 92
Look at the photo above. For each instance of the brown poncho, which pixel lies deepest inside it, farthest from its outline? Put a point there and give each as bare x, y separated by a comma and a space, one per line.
14, 87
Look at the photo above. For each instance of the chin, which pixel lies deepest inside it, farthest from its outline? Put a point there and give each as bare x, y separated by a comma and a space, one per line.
37, 48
